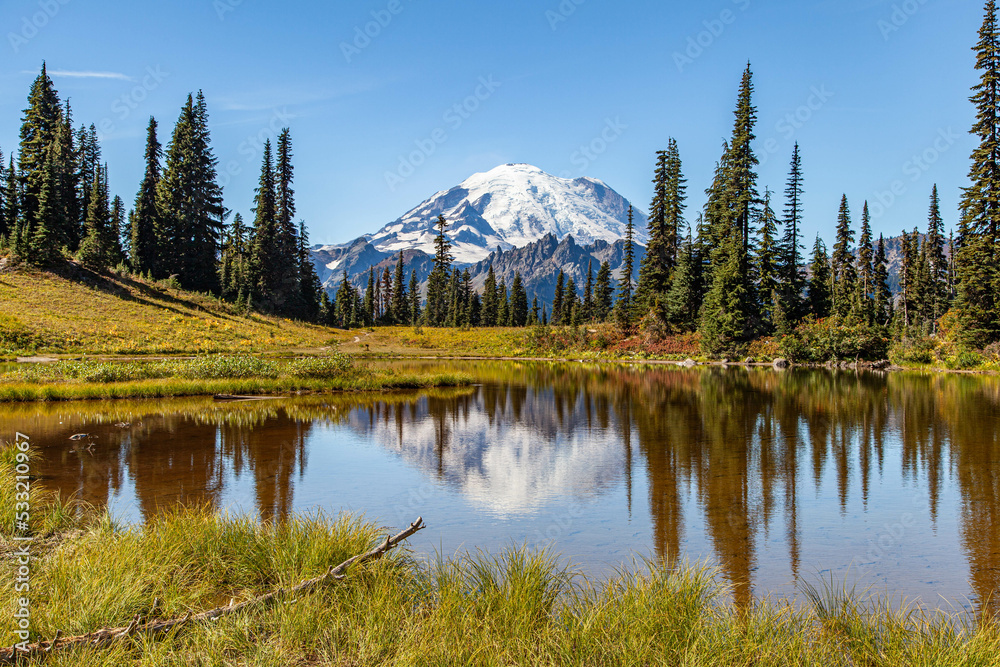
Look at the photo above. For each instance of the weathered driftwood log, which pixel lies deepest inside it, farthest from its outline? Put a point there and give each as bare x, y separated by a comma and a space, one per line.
108, 636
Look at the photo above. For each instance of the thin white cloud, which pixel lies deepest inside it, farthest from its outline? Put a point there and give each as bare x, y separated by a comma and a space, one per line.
88, 75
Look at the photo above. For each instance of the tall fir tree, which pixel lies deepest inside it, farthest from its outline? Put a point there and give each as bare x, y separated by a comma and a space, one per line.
189, 201
41, 120
265, 258
489, 316
518, 302
977, 274
683, 299
414, 310
286, 231
12, 209
603, 294
819, 287
145, 217
400, 299
95, 251
939, 293
729, 309
865, 290
768, 264
45, 237
882, 294
310, 286
842, 266
654, 270
438, 293
558, 299
792, 276
588, 293
624, 309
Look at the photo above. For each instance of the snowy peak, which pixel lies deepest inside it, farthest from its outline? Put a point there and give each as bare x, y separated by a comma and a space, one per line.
510, 207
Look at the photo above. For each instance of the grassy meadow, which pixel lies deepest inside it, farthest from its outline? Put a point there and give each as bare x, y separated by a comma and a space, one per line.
511, 608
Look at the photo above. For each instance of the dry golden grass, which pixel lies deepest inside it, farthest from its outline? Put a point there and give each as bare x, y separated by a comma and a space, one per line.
76, 311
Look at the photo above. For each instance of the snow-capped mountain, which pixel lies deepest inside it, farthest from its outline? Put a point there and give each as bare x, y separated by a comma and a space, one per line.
510, 207
515, 208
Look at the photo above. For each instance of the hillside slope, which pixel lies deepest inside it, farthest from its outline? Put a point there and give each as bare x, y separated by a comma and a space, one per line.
73, 311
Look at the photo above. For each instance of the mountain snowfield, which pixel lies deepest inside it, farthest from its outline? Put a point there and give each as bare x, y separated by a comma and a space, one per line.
510, 207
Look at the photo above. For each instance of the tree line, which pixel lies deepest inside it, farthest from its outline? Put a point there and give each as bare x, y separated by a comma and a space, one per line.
55, 204
739, 273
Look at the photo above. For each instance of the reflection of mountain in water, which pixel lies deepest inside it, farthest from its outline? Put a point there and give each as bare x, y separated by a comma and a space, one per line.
741, 451
508, 449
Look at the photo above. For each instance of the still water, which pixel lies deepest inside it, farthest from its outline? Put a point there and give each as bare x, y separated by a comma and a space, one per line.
884, 480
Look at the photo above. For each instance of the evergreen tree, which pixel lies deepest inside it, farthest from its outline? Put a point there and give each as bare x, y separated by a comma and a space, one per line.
400, 299
41, 120
939, 297
266, 257
534, 318
345, 303
792, 277
882, 296
310, 286
557, 300
866, 270
145, 219
730, 305
438, 301
842, 264
768, 263
369, 304
603, 294
654, 271
45, 237
119, 227
5, 230
414, 310
286, 233
12, 210
624, 313
980, 206
95, 251
489, 316
908, 277
588, 293
683, 299
571, 303
234, 266
503, 306
820, 281
189, 201
519, 302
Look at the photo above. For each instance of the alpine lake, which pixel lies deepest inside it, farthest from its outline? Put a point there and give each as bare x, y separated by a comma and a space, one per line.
884, 481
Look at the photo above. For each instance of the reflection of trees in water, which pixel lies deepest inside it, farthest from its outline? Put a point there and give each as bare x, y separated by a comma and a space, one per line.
742, 443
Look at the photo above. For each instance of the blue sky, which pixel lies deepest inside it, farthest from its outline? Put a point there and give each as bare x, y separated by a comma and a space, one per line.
875, 91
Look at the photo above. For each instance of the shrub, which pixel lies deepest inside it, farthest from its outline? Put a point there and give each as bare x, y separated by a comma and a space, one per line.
221, 367
335, 365
963, 359
914, 351
832, 339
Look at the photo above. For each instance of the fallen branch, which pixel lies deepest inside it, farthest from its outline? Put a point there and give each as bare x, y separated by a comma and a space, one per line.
108, 636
